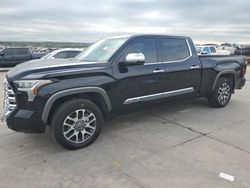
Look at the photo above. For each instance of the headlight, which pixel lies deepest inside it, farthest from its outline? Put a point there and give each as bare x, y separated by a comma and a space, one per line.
31, 86
26, 84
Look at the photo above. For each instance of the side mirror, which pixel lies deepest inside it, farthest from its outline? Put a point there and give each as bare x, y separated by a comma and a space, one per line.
134, 59
1, 54
204, 53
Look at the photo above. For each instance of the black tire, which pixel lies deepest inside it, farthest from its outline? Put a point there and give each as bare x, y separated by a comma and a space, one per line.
63, 116
215, 100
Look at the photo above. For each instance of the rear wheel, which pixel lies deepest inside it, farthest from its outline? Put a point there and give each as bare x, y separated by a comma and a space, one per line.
76, 123
222, 93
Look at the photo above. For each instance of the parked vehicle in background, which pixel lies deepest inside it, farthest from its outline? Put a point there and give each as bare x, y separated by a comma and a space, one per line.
211, 44
10, 57
245, 51
210, 50
229, 46
65, 53
74, 96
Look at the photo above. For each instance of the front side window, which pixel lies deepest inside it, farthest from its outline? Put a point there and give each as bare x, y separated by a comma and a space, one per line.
102, 50
145, 46
174, 49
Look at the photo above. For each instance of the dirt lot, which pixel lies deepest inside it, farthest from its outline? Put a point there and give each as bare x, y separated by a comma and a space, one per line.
177, 144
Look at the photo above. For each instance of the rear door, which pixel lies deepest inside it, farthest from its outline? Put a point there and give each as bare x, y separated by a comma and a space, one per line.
182, 69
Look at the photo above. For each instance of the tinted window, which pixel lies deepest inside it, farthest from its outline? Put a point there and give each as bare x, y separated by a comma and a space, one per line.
145, 46
72, 54
212, 49
9, 51
174, 49
206, 49
22, 51
61, 55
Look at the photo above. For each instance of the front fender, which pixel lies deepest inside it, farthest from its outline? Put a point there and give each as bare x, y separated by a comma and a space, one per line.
73, 91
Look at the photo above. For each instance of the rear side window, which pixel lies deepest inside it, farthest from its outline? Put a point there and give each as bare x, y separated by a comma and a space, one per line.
9, 51
174, 49
72, 54
22, 51
145, 46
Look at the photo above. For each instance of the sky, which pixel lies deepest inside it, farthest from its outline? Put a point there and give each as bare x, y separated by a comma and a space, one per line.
89, 20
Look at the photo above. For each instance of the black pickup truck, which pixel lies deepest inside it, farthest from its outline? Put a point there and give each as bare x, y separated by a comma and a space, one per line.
74, 97
10, 57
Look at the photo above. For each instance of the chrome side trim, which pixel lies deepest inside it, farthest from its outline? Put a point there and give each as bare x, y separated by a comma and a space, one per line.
159, 95
176, 61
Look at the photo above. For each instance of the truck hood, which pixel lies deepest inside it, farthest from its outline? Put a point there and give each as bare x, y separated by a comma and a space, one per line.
51, 68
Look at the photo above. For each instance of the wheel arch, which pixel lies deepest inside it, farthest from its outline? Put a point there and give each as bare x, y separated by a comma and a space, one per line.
231, 74
96, 94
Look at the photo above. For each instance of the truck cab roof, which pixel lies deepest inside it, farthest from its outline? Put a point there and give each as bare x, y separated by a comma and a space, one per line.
146, 35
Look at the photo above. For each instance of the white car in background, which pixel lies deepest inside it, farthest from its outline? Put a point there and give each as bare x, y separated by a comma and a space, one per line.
65, 53
229, 46
210, 50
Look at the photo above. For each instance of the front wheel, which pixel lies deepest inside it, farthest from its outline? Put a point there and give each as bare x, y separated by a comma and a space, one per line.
76, 123
222, 93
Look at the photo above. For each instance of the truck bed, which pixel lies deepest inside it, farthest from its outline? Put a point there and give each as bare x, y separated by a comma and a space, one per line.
219, 59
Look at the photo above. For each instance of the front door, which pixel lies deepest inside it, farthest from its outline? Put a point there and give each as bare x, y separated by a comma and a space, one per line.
139, 81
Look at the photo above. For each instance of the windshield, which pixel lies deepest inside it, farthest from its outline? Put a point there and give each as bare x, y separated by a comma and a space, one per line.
102, 50
48, 55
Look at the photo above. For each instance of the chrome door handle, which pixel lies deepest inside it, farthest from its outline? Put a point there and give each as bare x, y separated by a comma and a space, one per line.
158, 70
195, 67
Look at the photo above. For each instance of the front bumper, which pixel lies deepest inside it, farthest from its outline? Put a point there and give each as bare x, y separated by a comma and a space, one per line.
22, 120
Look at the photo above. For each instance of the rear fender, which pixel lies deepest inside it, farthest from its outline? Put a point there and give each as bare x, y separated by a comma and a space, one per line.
220, 74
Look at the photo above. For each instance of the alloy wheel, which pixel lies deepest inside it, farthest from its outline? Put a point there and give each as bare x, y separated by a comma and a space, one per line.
224, 93
79, 126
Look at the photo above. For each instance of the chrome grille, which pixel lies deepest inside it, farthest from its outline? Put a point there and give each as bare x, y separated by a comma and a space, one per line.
9, 99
